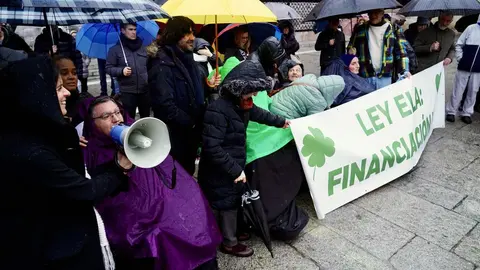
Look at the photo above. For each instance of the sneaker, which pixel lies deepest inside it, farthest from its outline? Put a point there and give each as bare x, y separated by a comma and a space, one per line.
238, 251
450, 118
466, 119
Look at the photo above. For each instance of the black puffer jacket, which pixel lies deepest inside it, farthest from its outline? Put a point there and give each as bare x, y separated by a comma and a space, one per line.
289, 42
270, 52
224, 135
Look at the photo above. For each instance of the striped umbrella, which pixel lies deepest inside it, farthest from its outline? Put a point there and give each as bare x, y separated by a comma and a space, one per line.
73, 16
95, 4
433, 8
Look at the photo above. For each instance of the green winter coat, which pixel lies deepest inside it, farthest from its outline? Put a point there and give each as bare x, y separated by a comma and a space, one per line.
307, 95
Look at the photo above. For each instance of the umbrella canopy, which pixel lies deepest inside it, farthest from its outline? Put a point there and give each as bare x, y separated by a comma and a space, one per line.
282, 11
96, 4
433, 8
347, 8
72, 16
254, 215
220, 11
258, 33
94, 40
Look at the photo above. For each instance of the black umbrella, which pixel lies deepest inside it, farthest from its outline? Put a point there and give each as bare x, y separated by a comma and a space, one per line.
347, 8
465, 21
433, 8
254, 215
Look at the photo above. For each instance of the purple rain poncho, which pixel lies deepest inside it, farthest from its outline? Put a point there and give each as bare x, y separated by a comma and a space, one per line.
174, 226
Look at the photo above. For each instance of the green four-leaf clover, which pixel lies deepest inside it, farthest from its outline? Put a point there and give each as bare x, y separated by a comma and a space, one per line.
316, 147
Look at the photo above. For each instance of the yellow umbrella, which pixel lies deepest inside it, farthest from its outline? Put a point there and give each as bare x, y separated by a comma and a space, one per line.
220, 11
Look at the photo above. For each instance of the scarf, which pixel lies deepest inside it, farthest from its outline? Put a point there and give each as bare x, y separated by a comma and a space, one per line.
246, 104
133, 45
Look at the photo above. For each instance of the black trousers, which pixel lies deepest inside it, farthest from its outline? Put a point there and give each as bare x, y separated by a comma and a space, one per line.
84, 84
131, 101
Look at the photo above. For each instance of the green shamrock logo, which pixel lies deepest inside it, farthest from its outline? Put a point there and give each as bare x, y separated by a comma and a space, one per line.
316, 147
437, 80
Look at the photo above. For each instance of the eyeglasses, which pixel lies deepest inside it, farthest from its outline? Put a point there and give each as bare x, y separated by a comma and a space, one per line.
106, 116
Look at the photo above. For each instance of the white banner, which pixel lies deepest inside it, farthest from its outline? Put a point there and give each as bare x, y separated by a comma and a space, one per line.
362, 145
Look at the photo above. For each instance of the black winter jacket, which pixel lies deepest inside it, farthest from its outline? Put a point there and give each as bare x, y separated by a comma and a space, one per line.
224, 135
45, 196
289, 42
66, 46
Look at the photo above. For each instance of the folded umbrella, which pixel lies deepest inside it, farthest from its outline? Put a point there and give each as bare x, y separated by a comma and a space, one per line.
347, 8
254, 215
433, 8
94, 40
282, 11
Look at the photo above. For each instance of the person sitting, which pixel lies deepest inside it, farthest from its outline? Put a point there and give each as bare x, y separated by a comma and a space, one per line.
307, 95
162, 221
221, 174
291, 70
242, 44
355, 86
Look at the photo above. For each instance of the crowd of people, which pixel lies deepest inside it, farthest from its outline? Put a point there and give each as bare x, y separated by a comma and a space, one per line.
77, 202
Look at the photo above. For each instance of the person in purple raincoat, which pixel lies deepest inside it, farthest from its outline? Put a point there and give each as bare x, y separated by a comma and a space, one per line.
150, 225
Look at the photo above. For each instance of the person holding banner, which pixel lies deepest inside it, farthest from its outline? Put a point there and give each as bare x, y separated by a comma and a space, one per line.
222, 164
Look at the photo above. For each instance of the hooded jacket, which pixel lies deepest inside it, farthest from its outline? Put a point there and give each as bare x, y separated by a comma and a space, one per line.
44, 196
270, 52
307, 95
8, 56
468, 49
224, 135
65, 43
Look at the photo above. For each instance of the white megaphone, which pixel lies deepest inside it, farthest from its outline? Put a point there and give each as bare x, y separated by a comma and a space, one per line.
146, 143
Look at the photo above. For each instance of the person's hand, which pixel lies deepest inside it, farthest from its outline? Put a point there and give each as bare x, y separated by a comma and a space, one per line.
352, 51
241, 178
123, 161
127, 71
331, 42
83, 142
447, 61
408, 75
435, 46
287, 124
215, 80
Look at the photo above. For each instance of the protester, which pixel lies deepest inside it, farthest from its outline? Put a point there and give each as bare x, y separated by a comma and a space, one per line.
415, 28
68, 72
221, 174
13, 41
156, 223
436, 43
8, 55
355, 86
63, 43
468, 74
307, 95
127, 61
270, 54
242, 44
381, 49
291, 71
102, 74
331, 43
177, 92
47, 201
289, 42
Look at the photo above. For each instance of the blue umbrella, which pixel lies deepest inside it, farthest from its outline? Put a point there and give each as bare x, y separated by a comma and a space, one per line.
258, 33
95, 39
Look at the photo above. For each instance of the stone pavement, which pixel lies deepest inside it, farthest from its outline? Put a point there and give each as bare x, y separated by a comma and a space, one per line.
427, 219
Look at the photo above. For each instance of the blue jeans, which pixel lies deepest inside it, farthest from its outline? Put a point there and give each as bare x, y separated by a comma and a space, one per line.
103, 78
380, 82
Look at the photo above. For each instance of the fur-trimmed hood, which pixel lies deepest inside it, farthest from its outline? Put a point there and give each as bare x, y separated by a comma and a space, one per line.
248, 77
286, 66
